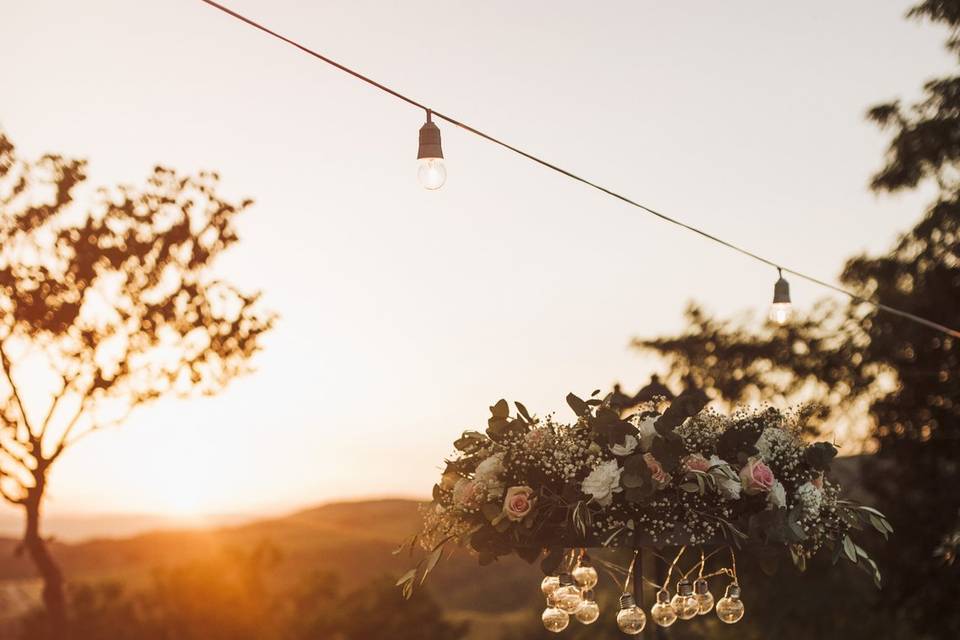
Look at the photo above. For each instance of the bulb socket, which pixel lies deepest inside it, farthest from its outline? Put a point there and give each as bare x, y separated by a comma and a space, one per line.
566, 580
685, 588
429, 141
701, 587
663, 597
627, 601
733, 591
587, 594
781, 291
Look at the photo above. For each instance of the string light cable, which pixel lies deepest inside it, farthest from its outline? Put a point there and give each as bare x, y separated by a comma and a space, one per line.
432, 174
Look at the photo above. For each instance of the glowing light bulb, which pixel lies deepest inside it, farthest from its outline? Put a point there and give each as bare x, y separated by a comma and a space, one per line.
781, 308
554, 619
549, 585
585, 575
630, 619
701, 591
663, 613
730, 607
589, 610
432, 172
567, 595
684, 603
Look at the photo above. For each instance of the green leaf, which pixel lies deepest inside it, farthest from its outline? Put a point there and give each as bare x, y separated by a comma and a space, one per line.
878, 525
407, 577
522, 410
579, 406
850, 549
690, 487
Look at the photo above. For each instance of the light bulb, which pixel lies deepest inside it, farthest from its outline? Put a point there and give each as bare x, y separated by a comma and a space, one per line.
780, 312
730, 606
432, 173
549, 585
781, 307
701, 591
684, 603
585, 575
631, 619
589, 610
663, 613
554, 620
567, 595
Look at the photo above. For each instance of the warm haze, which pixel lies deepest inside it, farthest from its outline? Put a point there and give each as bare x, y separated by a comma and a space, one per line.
404, 312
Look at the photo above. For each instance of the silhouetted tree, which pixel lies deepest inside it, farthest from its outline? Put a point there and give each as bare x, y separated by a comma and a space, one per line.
865, 362
104, 309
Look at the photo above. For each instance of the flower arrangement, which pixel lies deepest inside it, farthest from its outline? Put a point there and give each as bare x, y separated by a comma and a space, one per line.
678, 478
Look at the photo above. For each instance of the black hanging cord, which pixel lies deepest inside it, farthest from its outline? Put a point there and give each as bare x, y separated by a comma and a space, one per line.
780, 269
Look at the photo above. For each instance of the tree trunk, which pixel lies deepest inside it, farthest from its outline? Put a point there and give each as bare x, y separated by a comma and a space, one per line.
53, 593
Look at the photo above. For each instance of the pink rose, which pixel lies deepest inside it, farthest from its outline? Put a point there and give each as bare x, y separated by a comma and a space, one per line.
696, 462
466, 493
756, 477
660, 477
518, 503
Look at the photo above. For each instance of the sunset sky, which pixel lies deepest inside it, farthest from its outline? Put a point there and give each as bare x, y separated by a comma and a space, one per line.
405, 313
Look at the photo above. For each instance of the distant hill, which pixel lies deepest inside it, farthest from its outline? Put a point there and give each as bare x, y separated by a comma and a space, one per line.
354, 540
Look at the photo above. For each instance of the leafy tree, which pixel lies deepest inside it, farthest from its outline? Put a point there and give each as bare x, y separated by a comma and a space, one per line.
102, 310
903, 377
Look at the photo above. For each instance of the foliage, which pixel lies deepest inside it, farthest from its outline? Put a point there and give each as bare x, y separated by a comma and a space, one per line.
230, 597
106, 308
856, 359
683, 477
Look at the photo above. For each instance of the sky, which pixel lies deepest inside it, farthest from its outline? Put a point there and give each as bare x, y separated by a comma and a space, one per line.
405, 313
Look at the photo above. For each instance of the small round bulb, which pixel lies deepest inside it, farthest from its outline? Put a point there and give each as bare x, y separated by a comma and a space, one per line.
585, 575
567, 595
662, 613
701, 591
554, 619
549, 584
781, 307
630, 619
730, 606
684, 603
432, 173
589, 610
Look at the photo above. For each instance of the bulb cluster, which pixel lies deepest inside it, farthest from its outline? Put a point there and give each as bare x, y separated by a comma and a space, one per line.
571, 595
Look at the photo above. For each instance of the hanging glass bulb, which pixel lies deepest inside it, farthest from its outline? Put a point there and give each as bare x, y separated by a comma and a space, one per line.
549, 585
684, 603
555, 620
631, 619
585, 575
730, 606
663, 613
781, 307
568, 594
701, 591
432, 172
589, 610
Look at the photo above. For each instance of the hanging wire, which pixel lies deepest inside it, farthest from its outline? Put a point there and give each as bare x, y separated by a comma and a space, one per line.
853, 296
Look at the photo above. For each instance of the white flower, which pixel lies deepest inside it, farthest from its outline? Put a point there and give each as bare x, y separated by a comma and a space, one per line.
603, 482
629, 444
777, 497
810, 499
771, 439
647, 432
490, 469
728, 482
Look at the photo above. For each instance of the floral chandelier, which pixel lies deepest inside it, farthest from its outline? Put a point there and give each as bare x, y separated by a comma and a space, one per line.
684, 478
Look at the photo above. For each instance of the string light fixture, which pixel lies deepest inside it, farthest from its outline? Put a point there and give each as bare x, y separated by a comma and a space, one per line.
434, 173
781, 307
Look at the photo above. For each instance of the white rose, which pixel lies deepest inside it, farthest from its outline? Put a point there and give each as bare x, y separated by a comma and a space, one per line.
629, 444
728, 486
603, 482
647, 432
490, 469
777, 497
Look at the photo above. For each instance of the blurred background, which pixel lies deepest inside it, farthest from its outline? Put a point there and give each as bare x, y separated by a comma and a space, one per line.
270, 386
